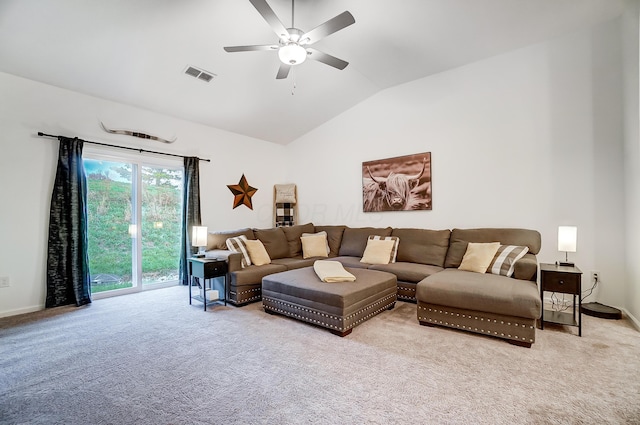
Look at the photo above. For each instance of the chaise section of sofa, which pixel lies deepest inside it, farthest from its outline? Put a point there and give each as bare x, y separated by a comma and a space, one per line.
490, 304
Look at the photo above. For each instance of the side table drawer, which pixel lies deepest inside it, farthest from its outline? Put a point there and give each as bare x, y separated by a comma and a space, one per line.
561, 282
217, 268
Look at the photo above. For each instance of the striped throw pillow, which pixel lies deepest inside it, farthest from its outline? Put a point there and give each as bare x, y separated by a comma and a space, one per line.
394, 250
237, 244
504, 261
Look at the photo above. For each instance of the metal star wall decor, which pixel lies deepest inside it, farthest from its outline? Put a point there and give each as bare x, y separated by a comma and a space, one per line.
242, 193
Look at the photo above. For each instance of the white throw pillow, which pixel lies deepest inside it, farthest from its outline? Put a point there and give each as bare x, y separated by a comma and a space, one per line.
394, 250
478, 256
323, 233
314, 245
378, 251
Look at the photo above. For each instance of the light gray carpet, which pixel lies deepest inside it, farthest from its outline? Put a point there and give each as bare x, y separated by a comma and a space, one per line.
150, 358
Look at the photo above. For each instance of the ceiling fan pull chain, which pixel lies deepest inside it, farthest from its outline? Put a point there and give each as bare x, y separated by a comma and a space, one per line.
293, 78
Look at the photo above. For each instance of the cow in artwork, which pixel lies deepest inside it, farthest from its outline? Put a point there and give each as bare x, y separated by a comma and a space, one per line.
391, 193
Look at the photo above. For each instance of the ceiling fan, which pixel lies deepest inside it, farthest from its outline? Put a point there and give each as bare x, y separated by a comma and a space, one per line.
293, 44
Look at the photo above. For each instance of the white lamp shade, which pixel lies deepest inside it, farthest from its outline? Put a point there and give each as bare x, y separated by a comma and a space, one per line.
199, 236
567, 238
292, 54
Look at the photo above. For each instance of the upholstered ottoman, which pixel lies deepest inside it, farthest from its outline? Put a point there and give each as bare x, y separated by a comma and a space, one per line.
337, 306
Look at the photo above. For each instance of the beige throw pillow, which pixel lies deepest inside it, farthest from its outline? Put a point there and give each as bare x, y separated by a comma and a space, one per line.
317, 246
257, 252
478, 256
378, 251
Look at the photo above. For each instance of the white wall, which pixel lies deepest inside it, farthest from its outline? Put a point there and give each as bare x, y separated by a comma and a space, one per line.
27, 170
531, 138
631, 35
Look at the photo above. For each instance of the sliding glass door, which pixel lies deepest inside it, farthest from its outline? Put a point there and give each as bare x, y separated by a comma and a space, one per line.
134, 212
161, 210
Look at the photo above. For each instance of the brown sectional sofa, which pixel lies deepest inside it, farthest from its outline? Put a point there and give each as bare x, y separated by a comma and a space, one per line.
426, 271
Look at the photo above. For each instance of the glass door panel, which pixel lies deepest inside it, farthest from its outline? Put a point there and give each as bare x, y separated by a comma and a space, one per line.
161, 223
111, 227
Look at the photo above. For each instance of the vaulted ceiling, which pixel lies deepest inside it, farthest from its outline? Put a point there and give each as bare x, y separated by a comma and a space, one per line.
136, 51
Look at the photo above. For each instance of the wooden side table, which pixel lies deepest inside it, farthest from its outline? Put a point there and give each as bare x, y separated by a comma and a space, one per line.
206, 268
565, 280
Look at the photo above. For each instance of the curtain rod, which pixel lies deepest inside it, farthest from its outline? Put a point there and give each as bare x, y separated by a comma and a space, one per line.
123, 147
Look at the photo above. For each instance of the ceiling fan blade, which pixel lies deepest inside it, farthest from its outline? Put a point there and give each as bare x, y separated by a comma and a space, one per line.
319, 56
269, 15
334, 24
251, 48
283, 72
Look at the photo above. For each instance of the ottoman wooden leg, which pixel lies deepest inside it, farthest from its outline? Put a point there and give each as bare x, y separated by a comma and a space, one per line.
345, 333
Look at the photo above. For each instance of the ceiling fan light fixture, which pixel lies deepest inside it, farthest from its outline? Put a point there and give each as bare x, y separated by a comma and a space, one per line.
292, 54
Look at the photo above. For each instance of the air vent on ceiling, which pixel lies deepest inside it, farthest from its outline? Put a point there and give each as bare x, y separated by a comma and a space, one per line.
199, 74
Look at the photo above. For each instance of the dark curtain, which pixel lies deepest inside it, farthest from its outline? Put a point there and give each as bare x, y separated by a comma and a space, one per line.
68, 280
190, 212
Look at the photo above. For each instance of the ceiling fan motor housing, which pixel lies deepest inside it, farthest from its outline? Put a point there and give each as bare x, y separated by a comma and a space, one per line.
291, 51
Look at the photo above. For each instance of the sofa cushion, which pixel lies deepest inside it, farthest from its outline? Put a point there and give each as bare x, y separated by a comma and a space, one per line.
504, 261
218, 240
293, 234
295, 262
407, 272
481, 292
354, 240
526, 268
253, 275
423, 246
351, 262
478, 256
460, 237
334, 237
275, 242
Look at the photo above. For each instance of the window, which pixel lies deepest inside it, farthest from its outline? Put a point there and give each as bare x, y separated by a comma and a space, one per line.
134, 210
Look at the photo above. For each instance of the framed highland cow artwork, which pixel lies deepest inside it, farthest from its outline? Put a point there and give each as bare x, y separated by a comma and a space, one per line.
397, 184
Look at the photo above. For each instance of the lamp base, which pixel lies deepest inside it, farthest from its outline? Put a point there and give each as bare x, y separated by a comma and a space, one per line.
601, 310
198, 255
565, 263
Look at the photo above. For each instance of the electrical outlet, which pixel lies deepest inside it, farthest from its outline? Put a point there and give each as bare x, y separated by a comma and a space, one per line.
595, 277
4, 282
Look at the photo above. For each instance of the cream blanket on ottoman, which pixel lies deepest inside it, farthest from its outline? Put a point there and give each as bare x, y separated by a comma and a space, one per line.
332, 271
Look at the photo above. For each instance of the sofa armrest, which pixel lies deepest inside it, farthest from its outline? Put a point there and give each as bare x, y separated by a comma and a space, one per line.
526, 268
233, 259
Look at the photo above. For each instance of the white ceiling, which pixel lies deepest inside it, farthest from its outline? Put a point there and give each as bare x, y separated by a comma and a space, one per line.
135, 51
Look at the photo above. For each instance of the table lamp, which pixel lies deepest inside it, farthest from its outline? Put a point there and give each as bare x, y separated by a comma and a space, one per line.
567, 241
199, 239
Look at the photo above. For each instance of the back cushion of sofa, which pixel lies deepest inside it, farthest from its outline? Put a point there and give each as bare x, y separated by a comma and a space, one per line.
422, 246
354, 240
293, 234
334, 237
274, 241
218, 240
460, 238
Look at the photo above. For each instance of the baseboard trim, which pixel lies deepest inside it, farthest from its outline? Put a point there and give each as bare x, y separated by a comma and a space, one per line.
634, 321
21, 311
